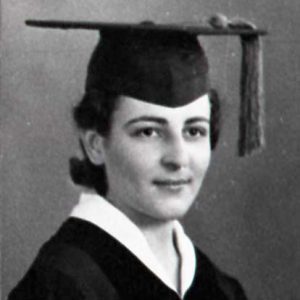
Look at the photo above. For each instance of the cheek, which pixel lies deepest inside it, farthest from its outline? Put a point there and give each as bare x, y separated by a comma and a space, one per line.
201, 158
127, 164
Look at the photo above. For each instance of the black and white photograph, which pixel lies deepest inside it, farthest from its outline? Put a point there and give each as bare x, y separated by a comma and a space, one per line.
150, 150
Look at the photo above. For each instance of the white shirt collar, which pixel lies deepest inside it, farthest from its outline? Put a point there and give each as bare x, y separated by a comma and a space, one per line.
100, 212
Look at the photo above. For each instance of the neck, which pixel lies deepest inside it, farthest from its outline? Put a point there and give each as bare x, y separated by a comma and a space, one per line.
158, 233
160, 238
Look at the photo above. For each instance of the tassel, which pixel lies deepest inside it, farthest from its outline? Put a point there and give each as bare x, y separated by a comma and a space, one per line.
251, 120
251, 135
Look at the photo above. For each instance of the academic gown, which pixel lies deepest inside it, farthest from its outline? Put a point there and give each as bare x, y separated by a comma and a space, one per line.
83, 262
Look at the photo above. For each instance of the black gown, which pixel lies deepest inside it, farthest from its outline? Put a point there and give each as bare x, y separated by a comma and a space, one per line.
81, 261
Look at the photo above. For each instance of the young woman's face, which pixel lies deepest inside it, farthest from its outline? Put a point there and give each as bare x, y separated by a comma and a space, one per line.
156, 158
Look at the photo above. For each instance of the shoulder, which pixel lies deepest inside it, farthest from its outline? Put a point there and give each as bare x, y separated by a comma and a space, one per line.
43, 282
62, 270
217, 280
230, 286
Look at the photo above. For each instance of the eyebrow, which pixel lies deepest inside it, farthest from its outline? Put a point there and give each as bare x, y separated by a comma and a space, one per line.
163, 121
196, 119
158, 120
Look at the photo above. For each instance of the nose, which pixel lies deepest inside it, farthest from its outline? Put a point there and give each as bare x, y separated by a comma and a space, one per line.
175, 156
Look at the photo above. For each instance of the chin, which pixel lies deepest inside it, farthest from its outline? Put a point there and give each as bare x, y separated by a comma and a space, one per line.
172, 212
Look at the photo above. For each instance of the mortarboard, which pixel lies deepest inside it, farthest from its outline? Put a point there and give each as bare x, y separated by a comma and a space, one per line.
165, 64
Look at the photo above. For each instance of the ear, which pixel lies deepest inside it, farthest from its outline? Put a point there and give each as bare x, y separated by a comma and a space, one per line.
93, 146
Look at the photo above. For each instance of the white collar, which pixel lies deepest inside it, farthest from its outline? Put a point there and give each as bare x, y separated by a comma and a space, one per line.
100, 212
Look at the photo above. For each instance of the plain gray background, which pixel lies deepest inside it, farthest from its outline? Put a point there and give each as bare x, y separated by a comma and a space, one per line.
247, 216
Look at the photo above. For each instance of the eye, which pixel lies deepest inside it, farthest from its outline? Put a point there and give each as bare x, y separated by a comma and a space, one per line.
147, 132
196, 132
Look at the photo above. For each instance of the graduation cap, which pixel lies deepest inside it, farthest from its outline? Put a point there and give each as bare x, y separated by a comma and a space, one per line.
165, 64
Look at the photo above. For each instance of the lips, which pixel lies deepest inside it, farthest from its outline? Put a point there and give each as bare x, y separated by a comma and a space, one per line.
172, 182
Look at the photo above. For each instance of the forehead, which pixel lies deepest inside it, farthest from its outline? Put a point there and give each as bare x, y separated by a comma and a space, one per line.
129, 108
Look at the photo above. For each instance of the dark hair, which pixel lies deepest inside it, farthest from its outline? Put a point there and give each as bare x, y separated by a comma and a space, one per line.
215, 118
95, 112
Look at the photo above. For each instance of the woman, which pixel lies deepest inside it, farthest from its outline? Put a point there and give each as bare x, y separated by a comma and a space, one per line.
147, 124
